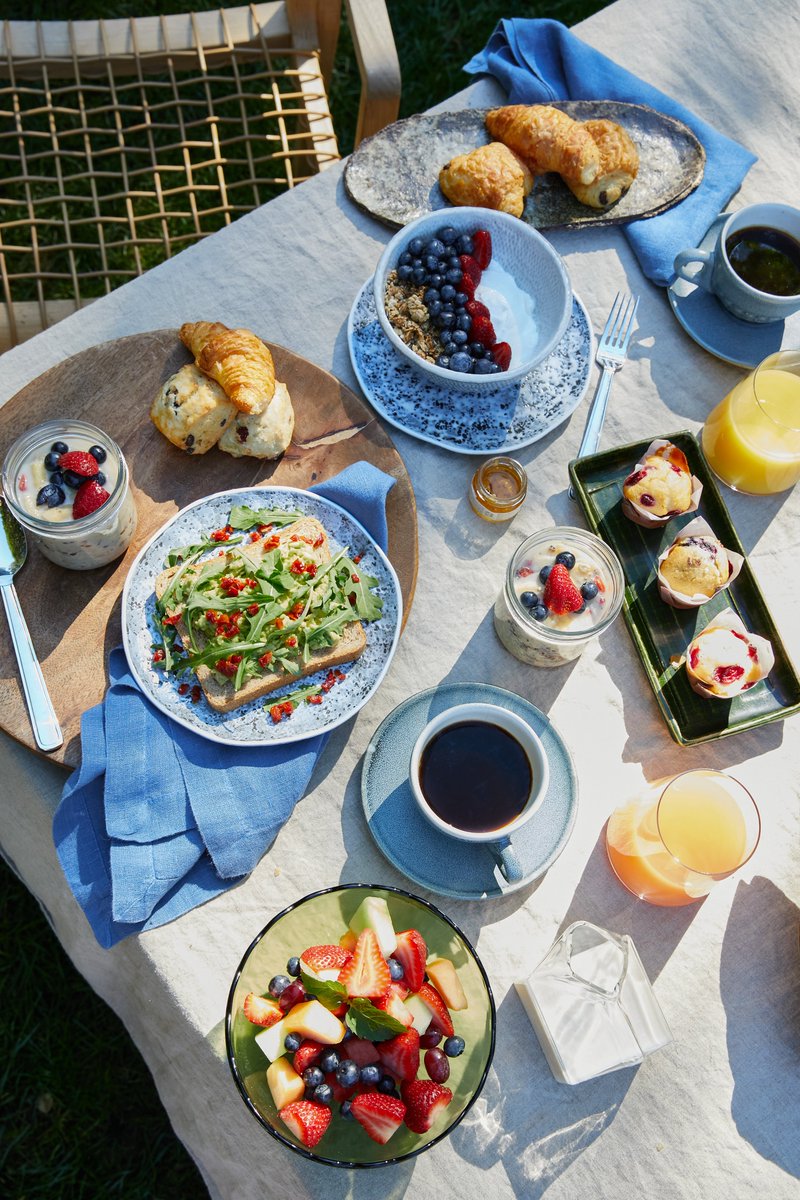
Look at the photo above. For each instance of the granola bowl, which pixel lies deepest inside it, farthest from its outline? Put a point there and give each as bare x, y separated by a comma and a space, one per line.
524, 286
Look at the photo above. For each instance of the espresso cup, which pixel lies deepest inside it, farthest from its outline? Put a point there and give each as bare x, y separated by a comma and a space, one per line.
712, 269
478, 773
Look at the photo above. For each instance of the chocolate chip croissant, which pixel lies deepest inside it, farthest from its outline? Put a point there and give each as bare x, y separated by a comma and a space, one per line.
619, 165
492, 176
236, 359
548, 140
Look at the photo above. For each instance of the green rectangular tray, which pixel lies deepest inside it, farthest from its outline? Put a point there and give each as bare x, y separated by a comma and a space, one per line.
660, 632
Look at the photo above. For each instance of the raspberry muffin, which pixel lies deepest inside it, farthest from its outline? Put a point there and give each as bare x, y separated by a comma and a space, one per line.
724, 659
660, 486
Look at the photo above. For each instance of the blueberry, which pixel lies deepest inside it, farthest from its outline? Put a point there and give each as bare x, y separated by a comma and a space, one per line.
57, 478
461, 299
347, 1073
446, 319
447, 235
396, 969
98, 453
51, 461
545, 571
430, 296
454, 262
323, 1093
477, 349
454, 1046
405, 272
460, 337
404, 260
345, 1110
581, 609
293, 966
461, 362
566, 559
464, 244
589, 590
386, 1084
278, 984
418, 275
51, 495
416, 246
437, 279
463, 321
448, 346
431, 263
435, 307
453, 276
484, 366
416, 262
60, 448
313, 1077
292, 1042
329, 1060
448, 292
539, 613
73, 479
435, 247
371, 1073
529, 599
443, 361
100, 478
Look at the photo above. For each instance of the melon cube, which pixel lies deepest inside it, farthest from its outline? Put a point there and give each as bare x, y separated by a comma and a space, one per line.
444, 978
270, 1041
420, 1013
285, 1084
373, 913
313, 1020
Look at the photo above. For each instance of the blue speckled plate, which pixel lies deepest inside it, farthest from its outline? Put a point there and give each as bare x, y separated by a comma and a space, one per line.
444, 864
497, 422
251, 724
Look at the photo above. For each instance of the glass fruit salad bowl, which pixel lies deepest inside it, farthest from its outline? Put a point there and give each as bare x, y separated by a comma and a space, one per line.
389, 1050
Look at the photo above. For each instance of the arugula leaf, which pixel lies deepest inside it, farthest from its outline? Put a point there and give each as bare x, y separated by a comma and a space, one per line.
298, 695
367, 1021
242, 516
328, 991
368, 606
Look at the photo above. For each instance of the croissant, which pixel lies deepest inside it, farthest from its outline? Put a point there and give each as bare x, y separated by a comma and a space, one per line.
491, 176
548, 140
619, 165
238, 360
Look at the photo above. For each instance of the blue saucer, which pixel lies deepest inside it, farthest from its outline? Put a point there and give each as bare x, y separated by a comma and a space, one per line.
742, 343
432, 859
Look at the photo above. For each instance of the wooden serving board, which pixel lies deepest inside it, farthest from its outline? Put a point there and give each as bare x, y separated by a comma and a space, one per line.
74, 616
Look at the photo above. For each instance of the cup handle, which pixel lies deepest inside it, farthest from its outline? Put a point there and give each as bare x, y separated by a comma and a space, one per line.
703, 258
506, 857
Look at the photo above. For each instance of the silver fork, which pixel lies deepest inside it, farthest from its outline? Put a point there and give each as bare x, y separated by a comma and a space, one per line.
611, 355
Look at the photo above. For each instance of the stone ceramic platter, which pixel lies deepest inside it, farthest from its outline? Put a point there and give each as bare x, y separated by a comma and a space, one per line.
394, 175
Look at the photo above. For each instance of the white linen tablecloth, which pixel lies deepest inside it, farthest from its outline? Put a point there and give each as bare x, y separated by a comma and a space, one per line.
717, 1114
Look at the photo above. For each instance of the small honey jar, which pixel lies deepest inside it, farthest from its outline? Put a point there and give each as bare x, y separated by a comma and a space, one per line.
498, 489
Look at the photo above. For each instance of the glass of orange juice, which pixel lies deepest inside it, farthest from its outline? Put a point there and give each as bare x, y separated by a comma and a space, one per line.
752, 438
672, 850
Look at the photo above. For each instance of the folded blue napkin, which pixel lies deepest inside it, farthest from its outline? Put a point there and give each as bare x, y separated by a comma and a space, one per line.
537, 61
157, 819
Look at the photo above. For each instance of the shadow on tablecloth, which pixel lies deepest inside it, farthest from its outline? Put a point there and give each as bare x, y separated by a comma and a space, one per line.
760, 990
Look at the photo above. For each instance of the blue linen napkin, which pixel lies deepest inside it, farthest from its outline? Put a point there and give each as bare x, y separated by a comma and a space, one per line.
156, 819
537, 61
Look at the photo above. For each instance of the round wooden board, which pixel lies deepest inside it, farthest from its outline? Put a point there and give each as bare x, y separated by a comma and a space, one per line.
74, 616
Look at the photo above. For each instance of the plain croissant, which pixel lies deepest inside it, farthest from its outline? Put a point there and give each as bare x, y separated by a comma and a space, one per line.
491, 176
236, 359
548, 140
619, 165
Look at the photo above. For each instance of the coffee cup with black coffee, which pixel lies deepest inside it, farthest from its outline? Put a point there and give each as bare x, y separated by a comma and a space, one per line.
754, 267
478, 773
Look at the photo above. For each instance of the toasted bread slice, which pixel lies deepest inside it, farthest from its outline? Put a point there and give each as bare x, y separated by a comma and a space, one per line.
221, 695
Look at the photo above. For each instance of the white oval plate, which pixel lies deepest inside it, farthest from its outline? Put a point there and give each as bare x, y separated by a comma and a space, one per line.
251, 725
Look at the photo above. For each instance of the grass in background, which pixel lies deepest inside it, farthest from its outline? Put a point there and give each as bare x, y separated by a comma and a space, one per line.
79, 1114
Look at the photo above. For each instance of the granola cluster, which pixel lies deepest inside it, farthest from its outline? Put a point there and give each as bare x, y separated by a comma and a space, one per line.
410, 318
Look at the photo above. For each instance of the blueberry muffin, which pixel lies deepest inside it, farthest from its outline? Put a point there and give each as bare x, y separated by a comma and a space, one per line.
696, 566
261, 435
191, 410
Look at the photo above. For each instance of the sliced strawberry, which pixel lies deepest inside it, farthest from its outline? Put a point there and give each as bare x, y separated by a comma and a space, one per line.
560, 593
400, 1054
501, 353
261, 1010
425, 1100
482, 248
477, 309
306, 1055
79, 461
482, 330
411, 953
360, 1050
441, 1014
470, 267
307, 1120
379, 1115
367, 973
89, 497
326, 958
392, 1003
468, 285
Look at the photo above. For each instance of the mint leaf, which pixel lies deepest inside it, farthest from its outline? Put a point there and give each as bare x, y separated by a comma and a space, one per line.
367, 1021
328, 991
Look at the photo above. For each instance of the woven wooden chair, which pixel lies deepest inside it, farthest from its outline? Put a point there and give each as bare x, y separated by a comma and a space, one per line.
123, 141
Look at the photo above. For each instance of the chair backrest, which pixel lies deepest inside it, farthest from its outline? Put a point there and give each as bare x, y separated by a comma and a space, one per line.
122, 141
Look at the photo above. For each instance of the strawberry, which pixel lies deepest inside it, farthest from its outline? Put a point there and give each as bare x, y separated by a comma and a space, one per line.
482, 330
392, 1003
476, 309
89, 497
367, 973
360, 1050
560, 593
261, 1010
306, 1055
378, 1114
400, 1054
501, 353
468, 285
411, 953
482, 248
307, 1120
424, 1101
470, 267
326, 958
79, 461
441, 1015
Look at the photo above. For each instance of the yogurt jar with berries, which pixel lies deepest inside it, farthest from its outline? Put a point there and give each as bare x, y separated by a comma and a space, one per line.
563, 587
67, 484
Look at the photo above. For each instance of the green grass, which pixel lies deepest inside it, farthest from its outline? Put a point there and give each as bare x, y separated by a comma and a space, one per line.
79, 1114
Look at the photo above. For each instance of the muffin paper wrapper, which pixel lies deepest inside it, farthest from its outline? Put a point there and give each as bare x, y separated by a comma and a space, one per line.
728, 619
699, 527
642, 516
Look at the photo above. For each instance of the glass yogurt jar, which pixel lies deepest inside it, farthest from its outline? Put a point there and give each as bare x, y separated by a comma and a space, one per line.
592, 586
83, 542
